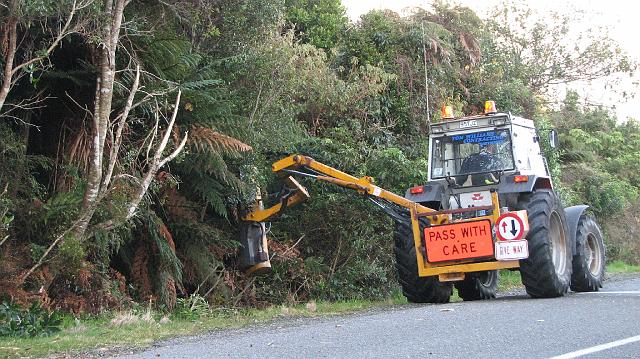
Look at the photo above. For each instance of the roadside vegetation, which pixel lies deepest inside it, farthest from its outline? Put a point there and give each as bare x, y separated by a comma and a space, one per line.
619, 266
140, 326
133, 135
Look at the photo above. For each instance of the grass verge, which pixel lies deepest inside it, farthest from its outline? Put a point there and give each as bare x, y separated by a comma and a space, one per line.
142, 328
622, 267
509, 280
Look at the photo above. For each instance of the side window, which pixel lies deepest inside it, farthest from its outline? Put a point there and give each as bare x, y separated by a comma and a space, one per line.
523, 147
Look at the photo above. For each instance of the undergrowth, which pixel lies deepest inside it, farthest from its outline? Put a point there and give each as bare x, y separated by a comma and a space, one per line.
34, 321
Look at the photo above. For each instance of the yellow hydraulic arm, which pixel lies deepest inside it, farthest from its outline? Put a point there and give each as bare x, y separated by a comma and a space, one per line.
289, 166
296, 193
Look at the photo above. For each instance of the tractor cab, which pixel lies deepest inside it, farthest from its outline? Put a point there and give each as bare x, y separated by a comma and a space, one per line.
471, 156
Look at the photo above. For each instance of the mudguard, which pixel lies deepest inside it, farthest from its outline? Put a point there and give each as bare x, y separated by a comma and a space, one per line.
573, 217
508, 185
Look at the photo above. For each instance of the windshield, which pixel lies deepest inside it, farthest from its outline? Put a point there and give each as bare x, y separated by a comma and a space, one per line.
459, 156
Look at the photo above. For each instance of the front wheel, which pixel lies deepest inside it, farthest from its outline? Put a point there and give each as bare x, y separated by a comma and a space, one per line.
547, 271
590, 258
415, 288
478, 285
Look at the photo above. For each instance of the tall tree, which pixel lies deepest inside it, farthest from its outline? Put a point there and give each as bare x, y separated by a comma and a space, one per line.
103, 162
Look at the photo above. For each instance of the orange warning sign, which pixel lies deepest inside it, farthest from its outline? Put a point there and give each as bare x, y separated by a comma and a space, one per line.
459, 241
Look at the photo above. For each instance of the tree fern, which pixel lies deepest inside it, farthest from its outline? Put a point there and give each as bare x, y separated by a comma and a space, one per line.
203, 136
211, 192
148, 222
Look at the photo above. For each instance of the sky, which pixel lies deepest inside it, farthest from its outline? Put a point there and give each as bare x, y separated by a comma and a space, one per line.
619, 16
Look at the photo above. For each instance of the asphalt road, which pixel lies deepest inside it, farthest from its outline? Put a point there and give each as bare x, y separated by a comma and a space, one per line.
512, 326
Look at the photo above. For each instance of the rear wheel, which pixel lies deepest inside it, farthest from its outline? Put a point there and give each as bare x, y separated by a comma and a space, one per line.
415, 288
478, 285
590, 258
547, 271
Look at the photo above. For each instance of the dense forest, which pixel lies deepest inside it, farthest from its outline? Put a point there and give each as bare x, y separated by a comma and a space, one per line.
134, 133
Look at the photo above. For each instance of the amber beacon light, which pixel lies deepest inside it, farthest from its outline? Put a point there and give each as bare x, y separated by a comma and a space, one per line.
489, 107
446, 112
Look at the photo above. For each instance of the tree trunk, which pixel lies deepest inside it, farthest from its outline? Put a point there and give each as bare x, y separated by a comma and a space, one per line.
10, 29
102, 109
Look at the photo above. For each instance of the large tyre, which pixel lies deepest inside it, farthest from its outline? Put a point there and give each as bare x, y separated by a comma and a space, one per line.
478, 285
547, 271
590, 258
415, 288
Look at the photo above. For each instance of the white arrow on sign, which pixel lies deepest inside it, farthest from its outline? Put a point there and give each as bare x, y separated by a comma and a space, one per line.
509, 227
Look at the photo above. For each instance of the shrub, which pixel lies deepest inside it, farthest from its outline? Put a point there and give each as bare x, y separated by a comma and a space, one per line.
35, 321
192, 307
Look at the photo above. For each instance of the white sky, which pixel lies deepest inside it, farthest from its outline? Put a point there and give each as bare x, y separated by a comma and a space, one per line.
619, 16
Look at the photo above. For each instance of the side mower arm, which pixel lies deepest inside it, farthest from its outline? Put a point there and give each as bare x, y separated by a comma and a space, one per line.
255, 256
308, 167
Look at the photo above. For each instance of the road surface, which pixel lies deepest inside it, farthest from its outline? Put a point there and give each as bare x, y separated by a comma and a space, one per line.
605, 324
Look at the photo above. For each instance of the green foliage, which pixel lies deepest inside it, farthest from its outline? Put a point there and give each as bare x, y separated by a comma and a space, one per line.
61, 208
596, 156
71, 254
6, 217
42, 222
35, 321
622, 267
608, 195
193, 307
317, 22
18, 167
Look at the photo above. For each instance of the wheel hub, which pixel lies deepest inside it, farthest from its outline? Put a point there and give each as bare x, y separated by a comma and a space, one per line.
558, 243
594, 255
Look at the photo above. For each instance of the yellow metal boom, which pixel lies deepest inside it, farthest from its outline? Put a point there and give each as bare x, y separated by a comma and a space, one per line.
291, 165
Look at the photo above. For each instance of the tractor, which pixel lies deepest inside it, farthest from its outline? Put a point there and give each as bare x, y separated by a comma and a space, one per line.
489, 205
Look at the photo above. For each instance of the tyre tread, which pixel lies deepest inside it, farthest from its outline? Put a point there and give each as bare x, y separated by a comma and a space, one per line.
582, 280
538, 273
472, 288
415, 288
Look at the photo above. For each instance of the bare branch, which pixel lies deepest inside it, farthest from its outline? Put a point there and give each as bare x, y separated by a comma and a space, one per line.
64, 32
157, 160
4, 240
153, 135
167, 134
121, 120
85, 109
176, 152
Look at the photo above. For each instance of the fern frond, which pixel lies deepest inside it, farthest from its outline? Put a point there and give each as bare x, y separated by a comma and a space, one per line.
149, 221
199, 84
209, 163
210, 191
200, 137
